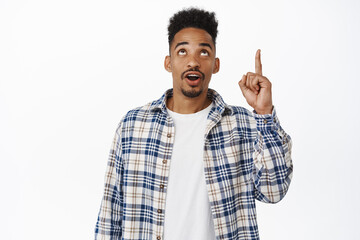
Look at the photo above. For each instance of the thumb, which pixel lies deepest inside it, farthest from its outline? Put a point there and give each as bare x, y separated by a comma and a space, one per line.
242, 84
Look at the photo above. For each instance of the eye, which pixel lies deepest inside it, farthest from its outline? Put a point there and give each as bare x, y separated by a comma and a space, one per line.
204, 53
182, 52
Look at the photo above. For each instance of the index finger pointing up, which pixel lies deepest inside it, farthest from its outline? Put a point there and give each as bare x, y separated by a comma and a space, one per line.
258, 66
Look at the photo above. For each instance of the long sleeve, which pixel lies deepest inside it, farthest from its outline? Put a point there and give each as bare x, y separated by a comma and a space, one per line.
273, 166
109, 220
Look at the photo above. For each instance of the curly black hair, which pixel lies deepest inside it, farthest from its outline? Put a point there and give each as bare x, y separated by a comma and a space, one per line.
193, 17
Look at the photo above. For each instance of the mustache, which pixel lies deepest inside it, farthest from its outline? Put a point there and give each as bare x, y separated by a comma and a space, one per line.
193, 70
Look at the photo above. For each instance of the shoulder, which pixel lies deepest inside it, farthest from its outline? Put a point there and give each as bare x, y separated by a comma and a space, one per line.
240, 112
140, 114
241, 118
226, 109
136, 113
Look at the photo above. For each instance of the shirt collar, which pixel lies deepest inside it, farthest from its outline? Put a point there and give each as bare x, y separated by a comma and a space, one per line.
219, 105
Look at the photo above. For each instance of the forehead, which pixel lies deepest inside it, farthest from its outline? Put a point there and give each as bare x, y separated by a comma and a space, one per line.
192, 36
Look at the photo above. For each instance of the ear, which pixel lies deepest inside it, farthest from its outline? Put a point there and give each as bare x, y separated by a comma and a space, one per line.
167, 63
217, 65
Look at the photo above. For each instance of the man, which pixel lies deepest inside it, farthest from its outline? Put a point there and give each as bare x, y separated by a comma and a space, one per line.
189, 166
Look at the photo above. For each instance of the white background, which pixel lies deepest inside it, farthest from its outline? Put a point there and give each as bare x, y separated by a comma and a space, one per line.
69, 70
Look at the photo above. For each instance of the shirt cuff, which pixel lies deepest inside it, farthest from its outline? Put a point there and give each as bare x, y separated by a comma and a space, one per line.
266, 122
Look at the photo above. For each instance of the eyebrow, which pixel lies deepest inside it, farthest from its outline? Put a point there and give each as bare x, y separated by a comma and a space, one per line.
205, 45
200, 44
181, 43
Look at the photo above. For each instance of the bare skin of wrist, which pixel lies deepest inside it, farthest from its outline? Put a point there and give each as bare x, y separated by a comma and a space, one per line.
264, 111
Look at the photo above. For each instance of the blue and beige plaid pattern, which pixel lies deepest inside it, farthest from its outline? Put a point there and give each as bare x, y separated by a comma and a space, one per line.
246, 157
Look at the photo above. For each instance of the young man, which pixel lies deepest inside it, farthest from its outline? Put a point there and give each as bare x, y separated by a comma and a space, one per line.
189, 166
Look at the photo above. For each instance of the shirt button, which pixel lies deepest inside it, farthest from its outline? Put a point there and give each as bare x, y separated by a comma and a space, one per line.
159, 211
161, 185
158, 237
169, 135
265, 121
164, 161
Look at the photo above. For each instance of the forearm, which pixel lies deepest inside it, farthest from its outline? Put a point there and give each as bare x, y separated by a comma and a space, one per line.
272, 159
108, 224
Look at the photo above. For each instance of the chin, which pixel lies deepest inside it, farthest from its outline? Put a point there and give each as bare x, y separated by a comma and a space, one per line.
191, 93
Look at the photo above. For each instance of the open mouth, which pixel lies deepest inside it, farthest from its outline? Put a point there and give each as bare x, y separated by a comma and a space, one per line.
193, 76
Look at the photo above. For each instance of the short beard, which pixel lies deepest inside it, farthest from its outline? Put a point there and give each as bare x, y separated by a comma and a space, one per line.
192, 93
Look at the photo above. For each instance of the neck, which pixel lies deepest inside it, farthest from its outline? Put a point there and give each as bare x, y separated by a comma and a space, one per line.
185, 105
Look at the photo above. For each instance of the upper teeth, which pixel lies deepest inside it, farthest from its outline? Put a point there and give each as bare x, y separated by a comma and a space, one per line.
193, 75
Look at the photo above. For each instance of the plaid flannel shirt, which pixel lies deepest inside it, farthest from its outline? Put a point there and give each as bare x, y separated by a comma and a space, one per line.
246, 157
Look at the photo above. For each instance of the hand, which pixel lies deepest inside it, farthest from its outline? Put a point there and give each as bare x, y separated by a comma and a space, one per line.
257, 89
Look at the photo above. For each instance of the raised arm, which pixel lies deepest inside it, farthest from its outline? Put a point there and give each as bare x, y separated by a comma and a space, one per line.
272, 149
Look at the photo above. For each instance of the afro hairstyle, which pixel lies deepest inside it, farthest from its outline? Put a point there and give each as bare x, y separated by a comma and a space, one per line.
195, 18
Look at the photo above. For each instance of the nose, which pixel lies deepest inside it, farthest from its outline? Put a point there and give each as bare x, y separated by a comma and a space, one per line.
193, 62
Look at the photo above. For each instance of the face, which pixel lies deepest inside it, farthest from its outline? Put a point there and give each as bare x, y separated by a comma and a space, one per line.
192, 62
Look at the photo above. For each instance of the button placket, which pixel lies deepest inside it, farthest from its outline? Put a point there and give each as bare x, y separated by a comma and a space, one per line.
169, 141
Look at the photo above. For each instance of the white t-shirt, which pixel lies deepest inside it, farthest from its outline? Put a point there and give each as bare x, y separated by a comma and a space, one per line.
187, 209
